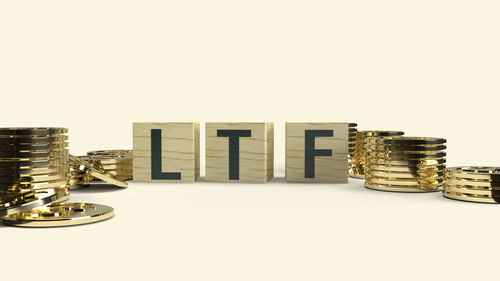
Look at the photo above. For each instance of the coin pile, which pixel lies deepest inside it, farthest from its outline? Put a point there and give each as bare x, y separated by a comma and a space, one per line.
33, 168
474, 184
115, 162
405, 164
357, 150
351, 143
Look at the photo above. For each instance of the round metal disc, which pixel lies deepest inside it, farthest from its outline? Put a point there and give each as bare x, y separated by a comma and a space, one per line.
11, 203
97, 172
60, 214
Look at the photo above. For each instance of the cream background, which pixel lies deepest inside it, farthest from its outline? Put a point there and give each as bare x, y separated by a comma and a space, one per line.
430, 68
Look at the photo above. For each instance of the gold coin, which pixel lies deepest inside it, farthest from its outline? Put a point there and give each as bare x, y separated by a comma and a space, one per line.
470, 198
407, 182
407, 162
475, 172
112, 153
400, 140
406, 168
401, 156
11, 203
469, 182
405, 175
403, 148
32, 131
367, 134
32, 171
60, 214
399, 188
471, 191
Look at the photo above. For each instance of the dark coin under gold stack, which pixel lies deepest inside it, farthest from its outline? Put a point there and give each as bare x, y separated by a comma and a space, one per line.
33, 168
116, 162
473, 184
405, 164
357, 150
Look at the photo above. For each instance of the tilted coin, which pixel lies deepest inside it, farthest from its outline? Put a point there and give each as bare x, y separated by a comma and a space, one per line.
97, 172
11, 203
60, 214
114, 152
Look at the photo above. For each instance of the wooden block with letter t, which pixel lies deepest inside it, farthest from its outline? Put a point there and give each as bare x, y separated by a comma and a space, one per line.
316, 152
239, 152
166, 152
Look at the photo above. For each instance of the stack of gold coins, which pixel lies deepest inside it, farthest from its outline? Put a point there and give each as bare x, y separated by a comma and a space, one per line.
116, 162
474, 184
405, 164
33, 161
351, 143
357, 150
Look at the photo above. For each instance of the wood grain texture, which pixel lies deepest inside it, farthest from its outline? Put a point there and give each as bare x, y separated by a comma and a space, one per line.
328, 169
180, 150
256, 153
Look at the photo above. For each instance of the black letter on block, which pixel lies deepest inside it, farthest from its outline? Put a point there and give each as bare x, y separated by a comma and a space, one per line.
234, 149
156, 173
311, 153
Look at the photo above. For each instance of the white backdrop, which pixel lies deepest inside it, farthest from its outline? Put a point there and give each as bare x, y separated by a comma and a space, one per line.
429, 68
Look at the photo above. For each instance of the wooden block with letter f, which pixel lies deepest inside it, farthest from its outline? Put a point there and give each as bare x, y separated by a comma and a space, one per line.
166, 152
239, 152
316, 152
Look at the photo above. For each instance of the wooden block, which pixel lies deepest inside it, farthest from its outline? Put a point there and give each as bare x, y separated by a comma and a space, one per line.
316, 152
239, 152
166, 152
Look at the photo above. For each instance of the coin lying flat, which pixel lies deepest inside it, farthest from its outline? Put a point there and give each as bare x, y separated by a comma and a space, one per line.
60, 214
11, 203
32, 131
470, 198
400, 188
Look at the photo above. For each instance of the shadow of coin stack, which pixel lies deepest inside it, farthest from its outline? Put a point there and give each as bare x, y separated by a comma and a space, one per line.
473, 184
357, 150
33, 168
405, 164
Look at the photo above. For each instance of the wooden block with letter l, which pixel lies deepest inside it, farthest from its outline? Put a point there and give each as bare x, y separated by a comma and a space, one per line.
166, 152
316, 152
239, 152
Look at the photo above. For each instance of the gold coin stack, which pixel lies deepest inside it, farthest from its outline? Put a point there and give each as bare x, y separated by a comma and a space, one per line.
473, 184
33, 168
357, 150
116, 162
405, 164
351, 143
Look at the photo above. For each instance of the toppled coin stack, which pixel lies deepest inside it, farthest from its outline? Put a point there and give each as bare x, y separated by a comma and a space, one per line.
474, 184
405, 164
36, 172
357, 150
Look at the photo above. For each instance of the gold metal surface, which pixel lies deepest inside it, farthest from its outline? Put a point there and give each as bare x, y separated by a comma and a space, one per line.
96, 171
15, 202
357, 150
404, 164
116, 162
474, 184
60, 214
